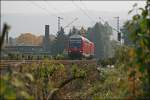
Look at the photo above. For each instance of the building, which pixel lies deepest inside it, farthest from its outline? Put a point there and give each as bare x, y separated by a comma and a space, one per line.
26, 51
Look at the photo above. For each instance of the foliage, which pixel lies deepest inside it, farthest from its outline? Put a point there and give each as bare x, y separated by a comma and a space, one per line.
73, 31
14, 86
3, 34
126, 35
112, 84
44, 80
108, 61
60, 44
29, 38
77, 72
139, 54
100, 35
121, 54
59, 57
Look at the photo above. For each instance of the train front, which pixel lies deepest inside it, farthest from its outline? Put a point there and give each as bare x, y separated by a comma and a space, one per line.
75, 46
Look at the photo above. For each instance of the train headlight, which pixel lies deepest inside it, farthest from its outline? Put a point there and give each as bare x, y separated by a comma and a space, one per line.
81, 51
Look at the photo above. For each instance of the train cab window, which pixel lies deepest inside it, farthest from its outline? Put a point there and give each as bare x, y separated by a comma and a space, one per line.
75, 43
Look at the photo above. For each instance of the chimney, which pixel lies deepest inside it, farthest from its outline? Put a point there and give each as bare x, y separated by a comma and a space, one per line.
47, 32
46, 38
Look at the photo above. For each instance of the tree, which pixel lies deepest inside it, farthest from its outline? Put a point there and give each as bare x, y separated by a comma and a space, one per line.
100, 35
29, 39
139, 54
126, 34
59, 45
107, 42
73, 31
82, 32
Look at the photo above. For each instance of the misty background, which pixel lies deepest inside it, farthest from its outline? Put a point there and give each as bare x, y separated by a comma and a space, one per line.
31, 17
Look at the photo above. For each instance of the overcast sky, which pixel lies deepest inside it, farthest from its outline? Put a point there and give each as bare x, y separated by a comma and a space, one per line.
60, 8
27, 7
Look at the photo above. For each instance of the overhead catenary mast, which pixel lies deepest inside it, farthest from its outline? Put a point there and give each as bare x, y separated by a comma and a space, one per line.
118, 28
59, 18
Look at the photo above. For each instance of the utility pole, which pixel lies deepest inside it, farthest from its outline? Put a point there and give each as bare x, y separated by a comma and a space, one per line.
59, 18
118, 29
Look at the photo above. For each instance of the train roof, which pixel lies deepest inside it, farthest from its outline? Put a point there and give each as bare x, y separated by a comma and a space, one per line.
79, 36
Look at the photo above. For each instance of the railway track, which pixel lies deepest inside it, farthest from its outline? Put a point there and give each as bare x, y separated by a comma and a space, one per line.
5, 63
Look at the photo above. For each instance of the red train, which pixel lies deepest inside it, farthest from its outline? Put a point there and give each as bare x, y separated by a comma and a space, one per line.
79, 46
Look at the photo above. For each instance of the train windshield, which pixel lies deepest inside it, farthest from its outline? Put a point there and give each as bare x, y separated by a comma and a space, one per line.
75, 43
